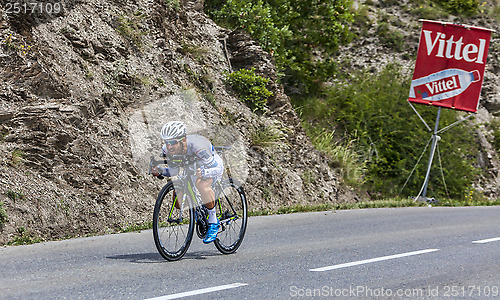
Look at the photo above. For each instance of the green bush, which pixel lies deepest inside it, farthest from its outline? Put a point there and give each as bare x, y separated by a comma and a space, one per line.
250, 87
495, 13
391, 38
496, 135
459, 7
295, 32
362, 19
4, 218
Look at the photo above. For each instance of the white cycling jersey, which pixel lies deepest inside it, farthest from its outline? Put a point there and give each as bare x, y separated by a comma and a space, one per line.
203, 149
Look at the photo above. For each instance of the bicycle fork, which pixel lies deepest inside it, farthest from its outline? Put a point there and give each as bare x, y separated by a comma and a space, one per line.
174, 202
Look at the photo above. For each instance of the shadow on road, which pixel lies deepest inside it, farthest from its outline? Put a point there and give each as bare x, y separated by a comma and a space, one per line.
152, 258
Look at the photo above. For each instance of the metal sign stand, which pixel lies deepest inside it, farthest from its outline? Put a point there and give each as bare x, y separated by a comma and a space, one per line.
435, 139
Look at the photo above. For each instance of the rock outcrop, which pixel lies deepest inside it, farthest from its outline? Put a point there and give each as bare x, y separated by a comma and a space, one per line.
70, 84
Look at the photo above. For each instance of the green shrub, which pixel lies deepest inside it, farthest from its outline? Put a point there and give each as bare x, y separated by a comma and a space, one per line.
269, 136
13, 195
426, 9
495, 13
496, 135
362, 19
391, 38
459, 7
295, 32
24, 237
250, 87
173, 4
17, 157
4, 218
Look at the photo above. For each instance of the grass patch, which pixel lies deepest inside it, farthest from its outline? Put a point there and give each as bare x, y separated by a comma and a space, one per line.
130, 28
459, 7
17, 157
3, 134
137, 227
161, 81
24, 237
429, 11
342, 156
389, 203
195, 51
14, 196
495, 13
269, 136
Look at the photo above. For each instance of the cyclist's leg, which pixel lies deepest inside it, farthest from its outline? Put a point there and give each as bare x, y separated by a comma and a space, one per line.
204, 186
177, 198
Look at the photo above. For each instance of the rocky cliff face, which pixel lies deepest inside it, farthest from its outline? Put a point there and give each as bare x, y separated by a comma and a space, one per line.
71, 83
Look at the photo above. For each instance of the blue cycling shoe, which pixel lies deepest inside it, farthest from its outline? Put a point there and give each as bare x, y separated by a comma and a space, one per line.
213, 228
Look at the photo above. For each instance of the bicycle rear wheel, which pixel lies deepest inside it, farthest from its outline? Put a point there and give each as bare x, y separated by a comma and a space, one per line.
232, 213
172, 227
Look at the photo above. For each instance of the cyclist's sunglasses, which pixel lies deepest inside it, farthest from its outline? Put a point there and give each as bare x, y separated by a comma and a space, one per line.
172, 142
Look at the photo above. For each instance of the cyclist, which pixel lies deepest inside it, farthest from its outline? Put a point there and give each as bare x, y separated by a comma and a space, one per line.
209, 167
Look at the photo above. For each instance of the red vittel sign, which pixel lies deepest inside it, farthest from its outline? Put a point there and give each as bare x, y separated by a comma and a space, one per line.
450, 65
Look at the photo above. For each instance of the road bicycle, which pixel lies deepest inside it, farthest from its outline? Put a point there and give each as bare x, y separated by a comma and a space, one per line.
179, 210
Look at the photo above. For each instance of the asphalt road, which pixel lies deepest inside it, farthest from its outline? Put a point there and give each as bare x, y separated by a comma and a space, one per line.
406, 253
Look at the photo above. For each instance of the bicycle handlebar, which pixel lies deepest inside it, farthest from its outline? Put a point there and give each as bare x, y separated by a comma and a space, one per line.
180, 160
173, 161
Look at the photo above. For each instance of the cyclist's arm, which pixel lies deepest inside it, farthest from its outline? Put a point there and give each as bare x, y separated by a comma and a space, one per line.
168, 172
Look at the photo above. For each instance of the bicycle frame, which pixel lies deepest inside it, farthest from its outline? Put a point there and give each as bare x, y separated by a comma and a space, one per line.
187, 182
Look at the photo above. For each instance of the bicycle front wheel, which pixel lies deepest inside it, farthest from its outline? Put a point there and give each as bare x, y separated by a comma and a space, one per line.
232, 213
172, 227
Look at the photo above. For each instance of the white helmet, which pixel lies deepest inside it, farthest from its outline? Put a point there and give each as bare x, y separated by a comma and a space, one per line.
173, 130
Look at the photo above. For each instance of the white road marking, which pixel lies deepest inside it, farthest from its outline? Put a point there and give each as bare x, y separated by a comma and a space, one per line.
487, 241
199, 292
367, 261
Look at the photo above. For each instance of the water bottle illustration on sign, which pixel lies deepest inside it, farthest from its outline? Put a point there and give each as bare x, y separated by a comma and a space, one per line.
443, 84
